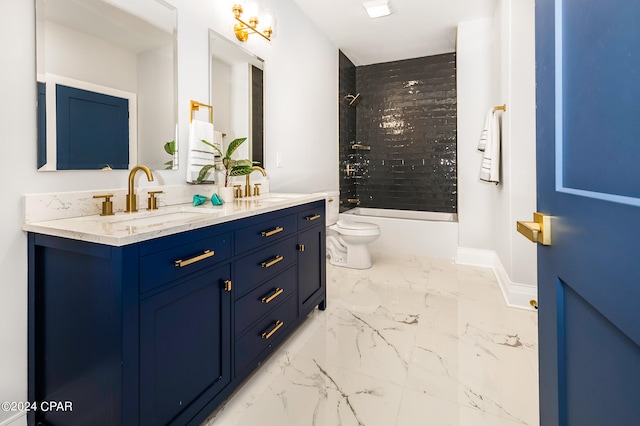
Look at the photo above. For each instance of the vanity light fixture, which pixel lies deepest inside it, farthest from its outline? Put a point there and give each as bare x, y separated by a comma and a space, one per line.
377, 8
243, 29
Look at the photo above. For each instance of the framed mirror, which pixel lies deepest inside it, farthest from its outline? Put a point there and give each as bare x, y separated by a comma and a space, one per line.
236, 81
107, 84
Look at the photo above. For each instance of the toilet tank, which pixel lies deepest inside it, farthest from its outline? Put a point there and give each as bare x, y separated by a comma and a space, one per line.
332, 206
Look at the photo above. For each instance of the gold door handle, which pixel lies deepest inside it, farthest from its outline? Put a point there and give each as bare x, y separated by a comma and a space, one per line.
314, 217
538, 231
206, 254
272, 262
272, 232
276, 327
227, 285
277, 292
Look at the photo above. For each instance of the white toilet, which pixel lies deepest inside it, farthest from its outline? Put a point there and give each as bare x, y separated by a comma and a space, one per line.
348, 241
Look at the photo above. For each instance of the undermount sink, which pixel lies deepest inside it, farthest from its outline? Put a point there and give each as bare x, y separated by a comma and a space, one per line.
273, 197
155, 218
160, 219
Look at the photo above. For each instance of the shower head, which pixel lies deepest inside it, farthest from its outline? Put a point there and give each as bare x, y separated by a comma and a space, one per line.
353, 99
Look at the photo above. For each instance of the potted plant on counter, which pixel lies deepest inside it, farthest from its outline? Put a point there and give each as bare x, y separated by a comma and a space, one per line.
230, 166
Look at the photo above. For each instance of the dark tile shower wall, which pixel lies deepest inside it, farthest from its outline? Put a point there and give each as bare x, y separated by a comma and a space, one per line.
347, 128
407, 116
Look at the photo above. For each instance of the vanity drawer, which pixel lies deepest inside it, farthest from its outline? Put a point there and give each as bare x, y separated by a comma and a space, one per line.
265, 333
176, 262
257, 267
264, 298
312, 216
264, 232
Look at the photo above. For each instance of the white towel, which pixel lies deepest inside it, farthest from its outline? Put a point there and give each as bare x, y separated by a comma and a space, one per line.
200, 154
490, 144
482, 143
217, 140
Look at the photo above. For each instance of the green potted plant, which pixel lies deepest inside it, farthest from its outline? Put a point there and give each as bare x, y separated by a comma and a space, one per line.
170, 148
230, 166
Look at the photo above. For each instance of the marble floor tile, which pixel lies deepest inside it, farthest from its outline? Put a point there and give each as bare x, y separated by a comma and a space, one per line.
411, 341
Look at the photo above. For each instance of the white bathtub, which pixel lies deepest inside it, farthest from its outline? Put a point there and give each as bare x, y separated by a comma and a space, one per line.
411, 232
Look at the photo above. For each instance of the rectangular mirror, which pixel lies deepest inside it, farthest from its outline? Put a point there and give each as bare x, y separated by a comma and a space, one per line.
107, 84
236, 78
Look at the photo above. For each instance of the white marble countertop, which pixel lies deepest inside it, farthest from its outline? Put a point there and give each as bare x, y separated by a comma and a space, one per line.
127, 228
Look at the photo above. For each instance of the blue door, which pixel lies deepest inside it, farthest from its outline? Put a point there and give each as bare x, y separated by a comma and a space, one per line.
588, 168
92, 130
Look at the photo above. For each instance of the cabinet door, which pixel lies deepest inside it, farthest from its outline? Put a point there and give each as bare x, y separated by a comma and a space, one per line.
185, 344
311, 269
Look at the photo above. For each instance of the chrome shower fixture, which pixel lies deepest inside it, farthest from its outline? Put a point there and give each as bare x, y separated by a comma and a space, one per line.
353, 99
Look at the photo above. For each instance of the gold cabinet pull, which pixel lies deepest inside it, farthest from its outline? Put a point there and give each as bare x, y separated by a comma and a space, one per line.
272, 232
266, 335
314, 217
277, 292
300, 247
272, 262
206, 254
227, 285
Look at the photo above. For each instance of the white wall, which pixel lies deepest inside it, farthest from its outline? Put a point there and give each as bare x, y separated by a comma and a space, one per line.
496, 66
475, 64
220, 95
522, 135
156, 124
240, 104
77, 55
301, 78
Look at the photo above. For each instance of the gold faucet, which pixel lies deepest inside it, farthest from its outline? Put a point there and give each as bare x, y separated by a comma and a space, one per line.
247, 186
131, 204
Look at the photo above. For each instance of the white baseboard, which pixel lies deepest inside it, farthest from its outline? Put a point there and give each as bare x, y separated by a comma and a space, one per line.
18, 419
515, 295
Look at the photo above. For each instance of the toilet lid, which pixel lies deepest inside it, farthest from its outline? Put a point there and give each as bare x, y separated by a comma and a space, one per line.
344, 224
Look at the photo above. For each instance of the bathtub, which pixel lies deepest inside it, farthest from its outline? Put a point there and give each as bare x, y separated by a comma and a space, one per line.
410, 232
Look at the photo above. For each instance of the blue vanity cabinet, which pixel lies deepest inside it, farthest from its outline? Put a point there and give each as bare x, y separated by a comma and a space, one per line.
162, 331
311, 259
185, 347
80, 331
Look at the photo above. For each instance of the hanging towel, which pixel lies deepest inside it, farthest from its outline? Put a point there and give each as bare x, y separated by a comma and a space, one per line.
217, 140
482, 143
200, 154
490, 145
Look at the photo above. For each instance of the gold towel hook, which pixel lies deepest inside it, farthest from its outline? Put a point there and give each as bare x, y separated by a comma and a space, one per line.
500, 108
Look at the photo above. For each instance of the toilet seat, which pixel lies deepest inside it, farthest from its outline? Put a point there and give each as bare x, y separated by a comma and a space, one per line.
345, 227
